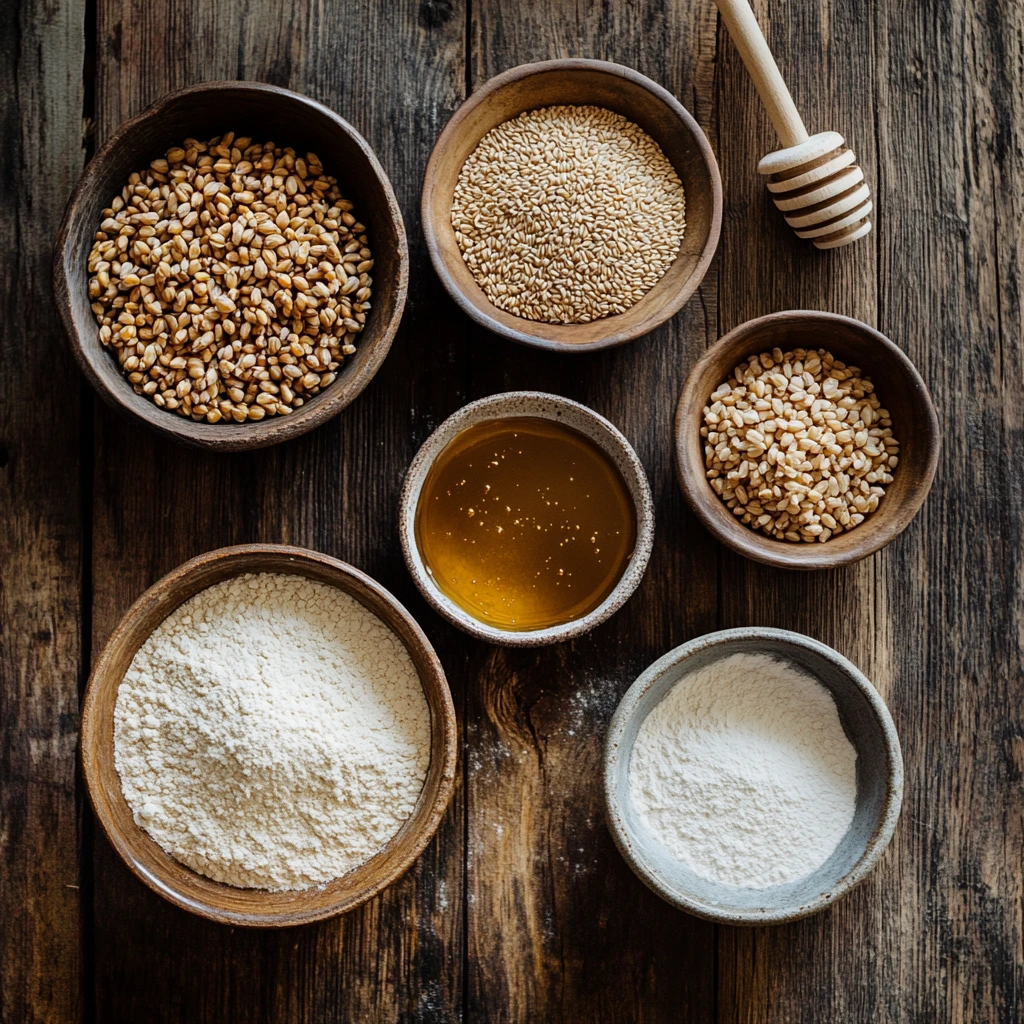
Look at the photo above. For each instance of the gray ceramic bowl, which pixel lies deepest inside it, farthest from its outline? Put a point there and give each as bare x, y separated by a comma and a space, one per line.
868, 725
549, 407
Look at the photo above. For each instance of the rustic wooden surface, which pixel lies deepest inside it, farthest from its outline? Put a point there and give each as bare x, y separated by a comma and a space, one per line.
43, 468
521, 910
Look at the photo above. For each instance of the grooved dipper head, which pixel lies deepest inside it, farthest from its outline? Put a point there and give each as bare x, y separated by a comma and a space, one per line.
820, 190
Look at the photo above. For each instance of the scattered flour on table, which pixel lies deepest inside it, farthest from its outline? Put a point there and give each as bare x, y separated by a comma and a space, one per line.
743, 772
272, 733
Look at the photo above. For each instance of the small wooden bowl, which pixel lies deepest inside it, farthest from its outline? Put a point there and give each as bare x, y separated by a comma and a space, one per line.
576, 82
267, 113
172, 879
900, 389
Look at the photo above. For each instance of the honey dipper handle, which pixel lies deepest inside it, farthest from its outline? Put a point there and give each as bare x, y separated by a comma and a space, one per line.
750, 42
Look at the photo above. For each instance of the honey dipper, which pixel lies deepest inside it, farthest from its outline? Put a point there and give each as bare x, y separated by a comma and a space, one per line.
814, 179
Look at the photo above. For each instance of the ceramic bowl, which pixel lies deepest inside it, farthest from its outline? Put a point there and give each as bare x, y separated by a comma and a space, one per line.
900, 389
573, 82
266, 113
869, 727
549, 407
172, 879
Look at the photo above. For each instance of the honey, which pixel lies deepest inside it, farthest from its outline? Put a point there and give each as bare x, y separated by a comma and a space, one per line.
525, 523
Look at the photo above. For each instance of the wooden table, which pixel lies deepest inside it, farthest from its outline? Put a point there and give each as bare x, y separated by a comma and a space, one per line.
521, 909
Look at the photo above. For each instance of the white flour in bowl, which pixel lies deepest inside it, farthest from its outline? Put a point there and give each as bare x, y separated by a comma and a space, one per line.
743, 772
272, 733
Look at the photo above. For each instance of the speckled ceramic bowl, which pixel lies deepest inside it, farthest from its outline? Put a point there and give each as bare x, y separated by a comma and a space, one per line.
549, 407
868, 725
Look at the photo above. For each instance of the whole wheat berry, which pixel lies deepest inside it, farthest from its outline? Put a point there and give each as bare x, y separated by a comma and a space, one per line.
230, 280
568, 214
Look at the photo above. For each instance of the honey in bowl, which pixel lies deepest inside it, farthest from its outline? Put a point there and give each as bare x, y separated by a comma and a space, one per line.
525, 523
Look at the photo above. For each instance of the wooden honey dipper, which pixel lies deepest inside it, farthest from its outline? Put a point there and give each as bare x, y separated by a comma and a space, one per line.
814, 180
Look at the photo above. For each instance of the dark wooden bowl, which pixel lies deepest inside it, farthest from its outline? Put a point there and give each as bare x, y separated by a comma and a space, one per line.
266, 113
169, 877
614, 87
900, 389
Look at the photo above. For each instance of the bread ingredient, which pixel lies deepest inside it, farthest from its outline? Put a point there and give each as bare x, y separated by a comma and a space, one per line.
743, 772
568, 214
525, 523
230, 279
272, 733
798, 445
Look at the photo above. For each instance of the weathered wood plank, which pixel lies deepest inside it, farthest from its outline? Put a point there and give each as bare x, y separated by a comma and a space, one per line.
951, 170
825, 53
559, 929
935, 933
396, 73
41, 54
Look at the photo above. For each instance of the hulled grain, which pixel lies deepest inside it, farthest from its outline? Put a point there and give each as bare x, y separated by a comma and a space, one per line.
568, 214
230, 280
798, 445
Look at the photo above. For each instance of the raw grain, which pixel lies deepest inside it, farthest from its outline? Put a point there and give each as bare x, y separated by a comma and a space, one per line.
230, 280
798, 445
568, 214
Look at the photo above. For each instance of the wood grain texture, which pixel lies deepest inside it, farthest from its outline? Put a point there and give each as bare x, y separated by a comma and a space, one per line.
826, 54
929, 98
751, 45
559, 929
521, 909
949, 275
41, 52
399, 957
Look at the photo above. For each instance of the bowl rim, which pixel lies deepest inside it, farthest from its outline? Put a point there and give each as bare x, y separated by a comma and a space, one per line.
614, 752
753, 545
90, 745
237, 436
614, 337
428, 453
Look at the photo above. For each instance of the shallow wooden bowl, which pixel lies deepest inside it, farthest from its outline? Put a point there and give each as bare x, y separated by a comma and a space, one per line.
172, 879
576, 82
900, 390
267, 113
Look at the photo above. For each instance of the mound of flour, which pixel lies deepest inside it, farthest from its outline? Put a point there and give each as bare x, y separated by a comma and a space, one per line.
743, 772
272, 733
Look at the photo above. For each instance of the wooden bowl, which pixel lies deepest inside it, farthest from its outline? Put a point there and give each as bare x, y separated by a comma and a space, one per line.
900, 389
541, 406
266, 113
602, 84
172, 879
866, 722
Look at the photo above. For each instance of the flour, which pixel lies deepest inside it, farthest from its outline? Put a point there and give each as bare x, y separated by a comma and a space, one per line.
743, 772
272, 733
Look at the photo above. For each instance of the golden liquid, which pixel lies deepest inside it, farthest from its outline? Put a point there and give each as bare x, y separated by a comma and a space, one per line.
525, 523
